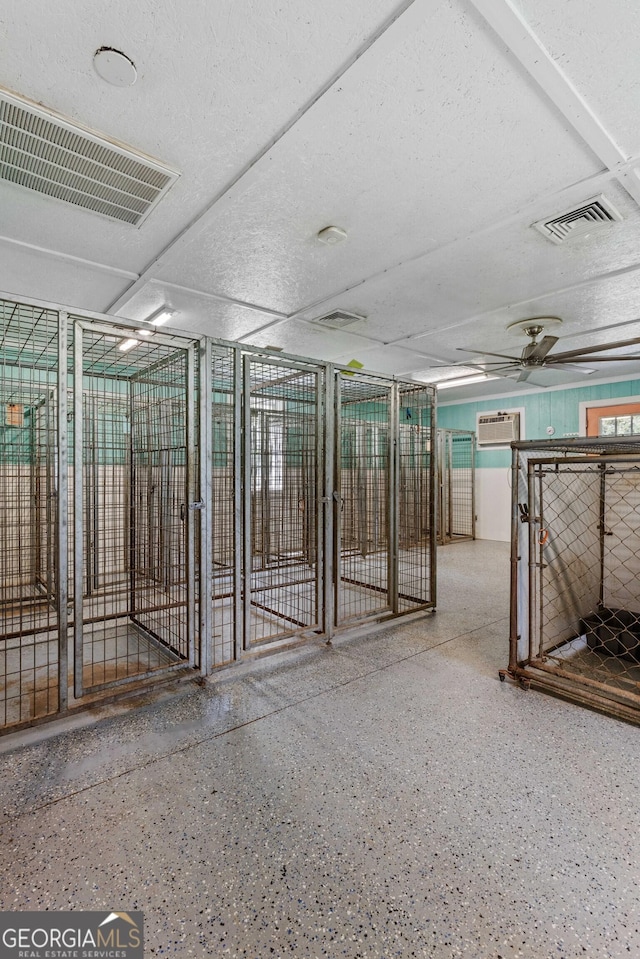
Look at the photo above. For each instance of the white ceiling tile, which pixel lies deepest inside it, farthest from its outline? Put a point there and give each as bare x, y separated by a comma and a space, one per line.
451, 286
305, 339
595, 44
215, 83
384, 359
409, 151
194, 313
28, 273
435, 151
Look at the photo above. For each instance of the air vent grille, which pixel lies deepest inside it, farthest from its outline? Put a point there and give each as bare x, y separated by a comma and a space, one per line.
590, 215
338, 320
46, 153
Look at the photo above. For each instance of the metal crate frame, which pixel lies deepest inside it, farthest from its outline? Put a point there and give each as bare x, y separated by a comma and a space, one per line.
215, 528
575, 553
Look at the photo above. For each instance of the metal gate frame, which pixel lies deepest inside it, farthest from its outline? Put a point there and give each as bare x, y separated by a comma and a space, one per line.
291, 370
529, 646
80, 326
361, 509
445, 440
391, 389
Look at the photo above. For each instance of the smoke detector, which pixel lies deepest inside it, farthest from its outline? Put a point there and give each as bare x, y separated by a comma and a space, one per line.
589, 216
332, 235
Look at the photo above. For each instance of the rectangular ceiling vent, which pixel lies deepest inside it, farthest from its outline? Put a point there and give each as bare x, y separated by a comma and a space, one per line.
589, 216
44, 152
338, 320
497, 429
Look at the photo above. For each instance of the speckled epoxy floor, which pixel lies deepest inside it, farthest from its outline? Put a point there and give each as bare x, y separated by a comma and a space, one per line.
385, 796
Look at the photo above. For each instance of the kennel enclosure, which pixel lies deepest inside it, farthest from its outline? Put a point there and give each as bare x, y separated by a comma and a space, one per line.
455, 484
575, 565
174, 503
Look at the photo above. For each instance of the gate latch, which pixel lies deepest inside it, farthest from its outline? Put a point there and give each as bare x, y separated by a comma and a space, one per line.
525, 516
199, 504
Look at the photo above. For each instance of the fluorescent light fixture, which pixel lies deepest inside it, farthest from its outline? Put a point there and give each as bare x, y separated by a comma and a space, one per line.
128, 345
160, 317
465, 381
443, 376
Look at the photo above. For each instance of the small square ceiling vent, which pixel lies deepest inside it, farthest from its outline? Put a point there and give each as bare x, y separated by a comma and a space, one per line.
338, 320
44, 152
589, 216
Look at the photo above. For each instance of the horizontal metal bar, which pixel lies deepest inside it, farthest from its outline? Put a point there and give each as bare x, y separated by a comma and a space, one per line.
278, 615
138, 677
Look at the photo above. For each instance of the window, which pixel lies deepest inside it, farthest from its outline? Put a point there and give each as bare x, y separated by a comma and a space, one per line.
628, 425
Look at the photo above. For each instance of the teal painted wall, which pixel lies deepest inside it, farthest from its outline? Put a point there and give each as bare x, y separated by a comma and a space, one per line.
557, 408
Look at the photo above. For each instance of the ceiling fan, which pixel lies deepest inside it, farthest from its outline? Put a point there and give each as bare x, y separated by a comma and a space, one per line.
535, 355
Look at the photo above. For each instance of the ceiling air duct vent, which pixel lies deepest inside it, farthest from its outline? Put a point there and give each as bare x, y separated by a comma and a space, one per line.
589, 216
44, 152
338, 320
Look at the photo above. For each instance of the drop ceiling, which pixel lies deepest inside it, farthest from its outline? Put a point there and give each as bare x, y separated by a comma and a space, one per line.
436, 133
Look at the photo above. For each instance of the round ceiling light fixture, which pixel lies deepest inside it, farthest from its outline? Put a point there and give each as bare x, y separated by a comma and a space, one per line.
115, 67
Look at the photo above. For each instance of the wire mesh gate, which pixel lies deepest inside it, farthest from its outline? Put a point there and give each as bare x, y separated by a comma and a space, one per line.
97, 571
173, 503
34, 609
456, 485
133, 484
575, 613
384, 551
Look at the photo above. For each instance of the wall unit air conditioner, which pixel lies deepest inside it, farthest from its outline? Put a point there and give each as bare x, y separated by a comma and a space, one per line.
498, 429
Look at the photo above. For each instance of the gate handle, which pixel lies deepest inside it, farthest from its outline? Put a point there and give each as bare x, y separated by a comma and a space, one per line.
543, 536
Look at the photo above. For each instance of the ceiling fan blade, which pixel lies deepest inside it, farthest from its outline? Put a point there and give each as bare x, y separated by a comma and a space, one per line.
538, 351
501, 367
619, 344
524, 375
503, 356
558, 357
570, 367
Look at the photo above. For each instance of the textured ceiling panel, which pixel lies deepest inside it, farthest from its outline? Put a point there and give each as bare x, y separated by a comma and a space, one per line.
409, 151
505, 266
27, 273
434, 149
196, 314
216, 82
295, 336
596, 45
593, 315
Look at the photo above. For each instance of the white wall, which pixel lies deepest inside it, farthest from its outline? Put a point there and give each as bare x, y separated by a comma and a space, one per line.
493, 503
